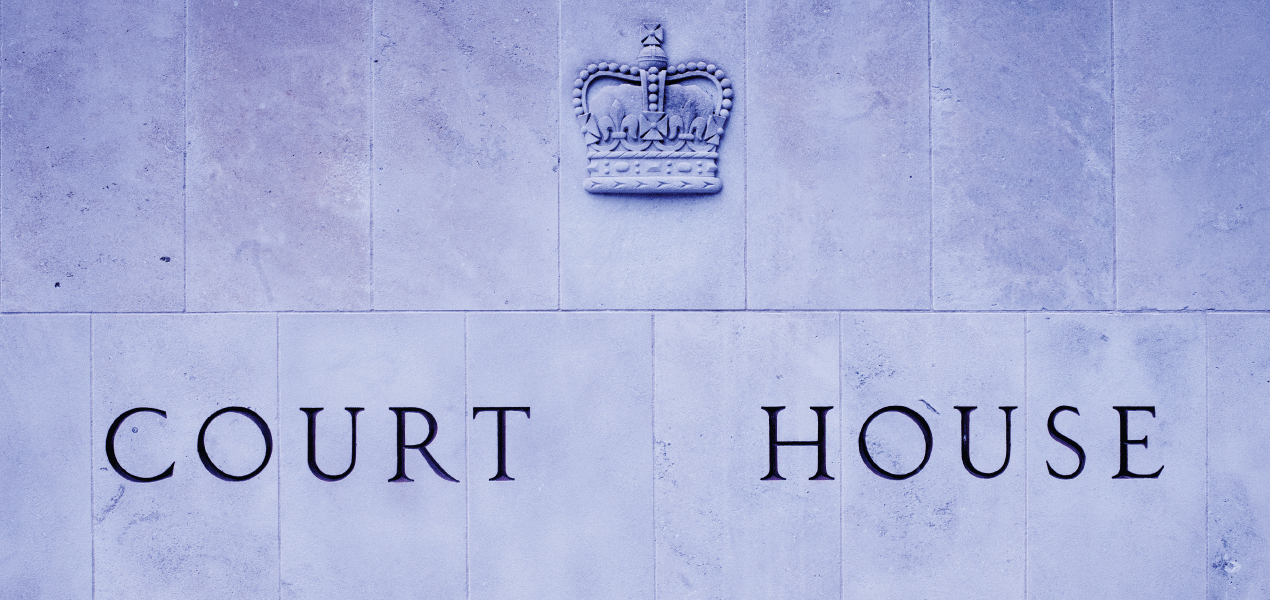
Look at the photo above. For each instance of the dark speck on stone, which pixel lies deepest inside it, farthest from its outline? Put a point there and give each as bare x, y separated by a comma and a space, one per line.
57, 284
165, 258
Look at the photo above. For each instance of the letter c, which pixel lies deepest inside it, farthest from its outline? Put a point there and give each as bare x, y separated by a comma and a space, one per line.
110, 447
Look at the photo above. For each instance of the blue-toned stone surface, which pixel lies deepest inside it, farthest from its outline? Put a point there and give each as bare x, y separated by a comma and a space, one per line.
278, 166
466, 156
576, 521
191, 535
1021, 155
721, 531
92, 162
838, 211
380, 204
1192, 144
1238, 482
943, 527
1095, 529
363, 535
46, 547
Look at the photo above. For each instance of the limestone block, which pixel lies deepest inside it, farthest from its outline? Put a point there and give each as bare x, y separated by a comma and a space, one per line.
1193, 200
466, 155
1238, 484
943, 527
362, 535
723, 531
1021, 136
279, 124
92, 163
629, 251
576, 518
1101, 533
838, 173
192, 534
45, 524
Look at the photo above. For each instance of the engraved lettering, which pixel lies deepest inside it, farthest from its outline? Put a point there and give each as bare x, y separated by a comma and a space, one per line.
110, 447
352, 459
264, 432
422, 447
1125, 473
1066, 441
501, 475
965, 442
864, 449
773, 444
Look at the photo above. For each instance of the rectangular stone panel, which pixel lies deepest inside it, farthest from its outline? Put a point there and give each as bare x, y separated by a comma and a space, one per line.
45, 439
943, 527
193, 534
1106, 532
575, 520
722, 530
92, 160
632, 251
466, 155
1238, 483
279, 155
1021, 138
363, 536
838, 176
1193, 201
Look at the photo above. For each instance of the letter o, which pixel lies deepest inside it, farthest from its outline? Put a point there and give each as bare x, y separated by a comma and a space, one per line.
264, 431
864, 449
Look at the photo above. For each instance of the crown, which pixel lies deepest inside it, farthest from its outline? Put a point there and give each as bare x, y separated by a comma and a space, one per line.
652, 127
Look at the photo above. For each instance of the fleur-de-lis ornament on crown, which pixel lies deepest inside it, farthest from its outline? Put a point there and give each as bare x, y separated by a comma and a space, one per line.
652, 127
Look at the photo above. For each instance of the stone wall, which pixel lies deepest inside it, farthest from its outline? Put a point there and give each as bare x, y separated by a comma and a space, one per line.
1054, 212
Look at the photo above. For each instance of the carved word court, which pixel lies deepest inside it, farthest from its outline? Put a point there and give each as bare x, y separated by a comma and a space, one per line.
311, 414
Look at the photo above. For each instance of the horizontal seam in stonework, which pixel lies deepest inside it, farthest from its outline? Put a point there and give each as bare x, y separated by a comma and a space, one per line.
674, 310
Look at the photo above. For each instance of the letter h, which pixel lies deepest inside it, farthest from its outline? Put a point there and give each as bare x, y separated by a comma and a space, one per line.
773, 443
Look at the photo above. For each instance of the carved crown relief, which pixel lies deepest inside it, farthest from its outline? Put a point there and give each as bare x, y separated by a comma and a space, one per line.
652, 127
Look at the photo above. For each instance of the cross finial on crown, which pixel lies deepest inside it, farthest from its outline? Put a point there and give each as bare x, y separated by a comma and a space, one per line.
652, 56
652, 34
